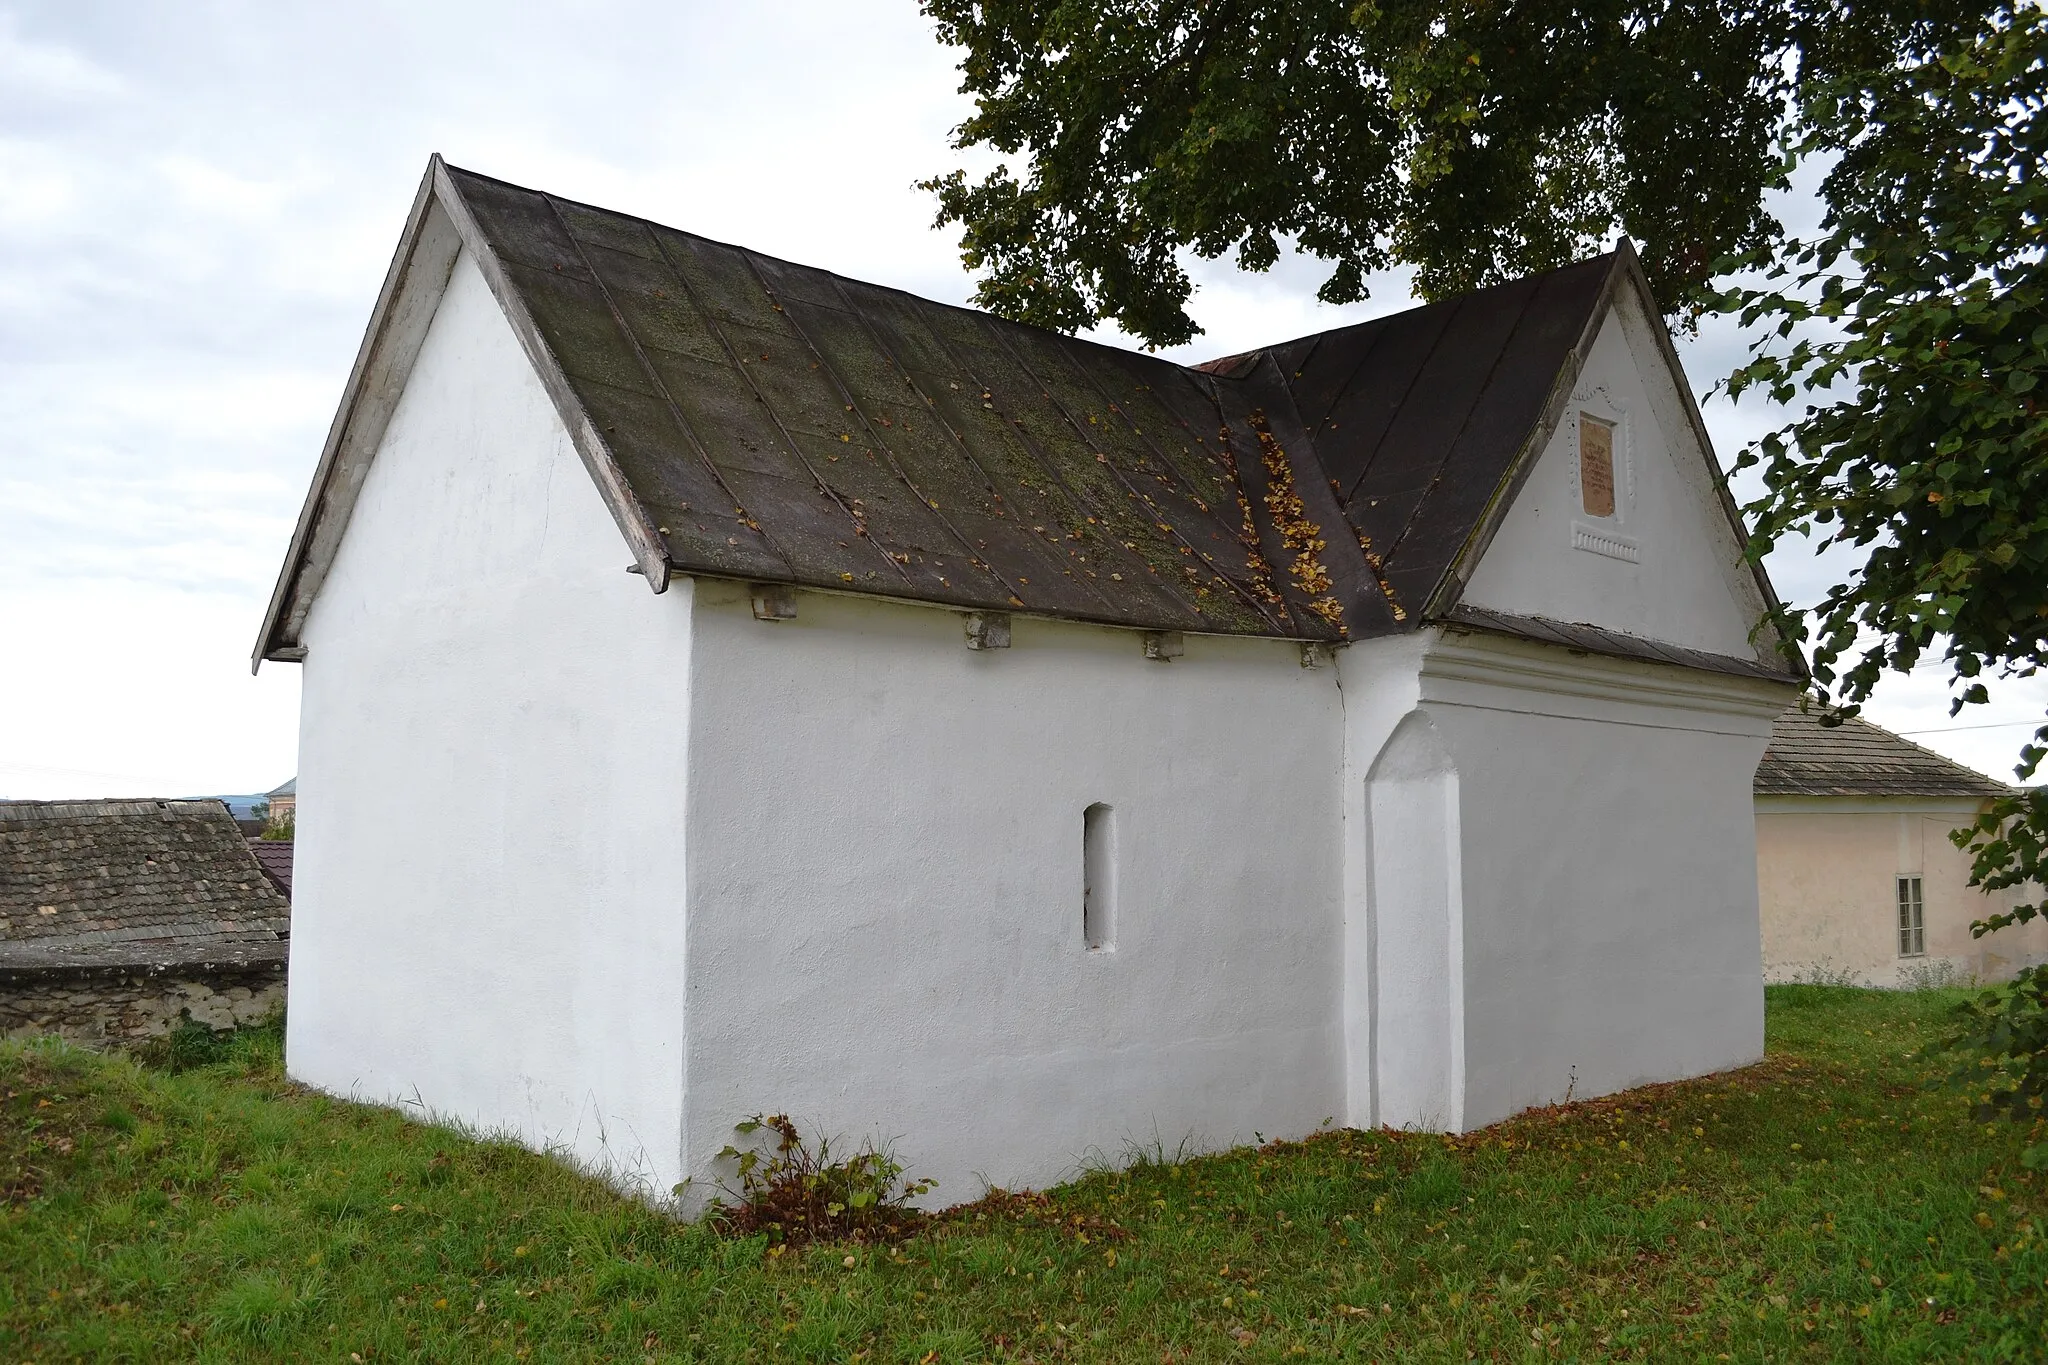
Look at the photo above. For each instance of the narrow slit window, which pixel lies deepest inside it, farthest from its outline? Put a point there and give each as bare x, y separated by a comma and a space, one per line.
1596, 466
1098, 877
1912, 919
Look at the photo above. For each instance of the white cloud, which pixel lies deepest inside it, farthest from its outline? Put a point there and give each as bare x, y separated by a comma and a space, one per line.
202, 200
50, 72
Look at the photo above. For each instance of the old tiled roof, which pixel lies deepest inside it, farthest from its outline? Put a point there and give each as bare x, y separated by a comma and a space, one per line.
148, 884
751, 418
1856, 758
274, 856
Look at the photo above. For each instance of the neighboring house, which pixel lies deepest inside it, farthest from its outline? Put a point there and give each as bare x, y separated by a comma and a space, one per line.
117, 917
1857, 879
274, 856
1027, 747
284, 803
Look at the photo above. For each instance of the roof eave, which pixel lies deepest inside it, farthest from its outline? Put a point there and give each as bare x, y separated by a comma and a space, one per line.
279, 633
631, 516
1729, 506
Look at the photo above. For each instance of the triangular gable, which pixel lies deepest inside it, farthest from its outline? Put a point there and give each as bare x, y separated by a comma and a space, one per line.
437, 230
1617, 518
749, 418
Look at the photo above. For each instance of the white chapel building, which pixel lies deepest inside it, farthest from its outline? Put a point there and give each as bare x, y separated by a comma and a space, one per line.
945, 730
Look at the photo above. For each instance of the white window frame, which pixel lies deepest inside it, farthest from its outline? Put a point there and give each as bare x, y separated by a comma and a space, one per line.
1912, 907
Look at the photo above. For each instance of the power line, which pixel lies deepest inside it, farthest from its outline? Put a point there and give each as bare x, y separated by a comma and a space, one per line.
1950, 729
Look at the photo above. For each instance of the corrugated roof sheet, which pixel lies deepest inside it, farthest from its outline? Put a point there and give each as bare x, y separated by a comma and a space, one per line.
1856, 758
132, 883
775, 422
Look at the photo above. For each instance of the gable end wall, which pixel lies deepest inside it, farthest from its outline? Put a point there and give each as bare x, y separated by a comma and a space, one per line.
1666, 565
490, 874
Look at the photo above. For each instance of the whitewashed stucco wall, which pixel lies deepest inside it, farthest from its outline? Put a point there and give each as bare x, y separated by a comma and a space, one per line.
886, 874
1581, 826
1609, 872
493, 743
1687, 584
1473, 874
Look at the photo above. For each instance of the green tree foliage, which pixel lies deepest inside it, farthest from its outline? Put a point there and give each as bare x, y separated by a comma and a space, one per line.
1480, 140
1921, 311
1475, 142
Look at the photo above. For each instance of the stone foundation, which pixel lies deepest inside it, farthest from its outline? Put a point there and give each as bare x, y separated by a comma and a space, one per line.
128, 1005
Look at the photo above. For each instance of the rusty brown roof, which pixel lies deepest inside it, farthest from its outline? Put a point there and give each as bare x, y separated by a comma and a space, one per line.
757, 419
147, 884
274, 856
1856, 758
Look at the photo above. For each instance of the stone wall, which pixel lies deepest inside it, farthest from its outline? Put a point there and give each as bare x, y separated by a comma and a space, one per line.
121, 1006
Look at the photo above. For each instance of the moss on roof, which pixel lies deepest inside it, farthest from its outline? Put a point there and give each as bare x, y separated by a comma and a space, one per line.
145, 884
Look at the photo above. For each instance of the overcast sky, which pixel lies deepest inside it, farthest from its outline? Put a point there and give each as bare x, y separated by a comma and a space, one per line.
198, 202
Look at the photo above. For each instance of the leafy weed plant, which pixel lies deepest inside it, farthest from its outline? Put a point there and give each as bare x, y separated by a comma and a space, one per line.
796, 1192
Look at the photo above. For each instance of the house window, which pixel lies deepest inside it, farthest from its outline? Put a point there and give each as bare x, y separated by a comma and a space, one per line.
1596, 466
1098, 878
1912, 919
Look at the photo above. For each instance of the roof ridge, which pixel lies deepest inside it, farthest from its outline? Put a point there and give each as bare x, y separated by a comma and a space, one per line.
1381, 319
783, 393
82, 807
755, 253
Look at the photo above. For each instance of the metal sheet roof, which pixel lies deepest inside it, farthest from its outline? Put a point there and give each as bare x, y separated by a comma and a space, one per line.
752, 418
274, 856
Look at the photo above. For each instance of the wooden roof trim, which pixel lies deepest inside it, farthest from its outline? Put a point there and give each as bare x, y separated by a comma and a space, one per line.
649, 554
1733, 510
439, 229
412, 289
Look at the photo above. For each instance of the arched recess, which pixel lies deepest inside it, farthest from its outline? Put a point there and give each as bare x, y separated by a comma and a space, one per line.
1415, 925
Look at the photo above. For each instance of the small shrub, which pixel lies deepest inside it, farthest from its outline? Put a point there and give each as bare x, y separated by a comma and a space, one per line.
1933, 974
186, 1046
190, 1045
2003, 1032
1825, 973
796, 1191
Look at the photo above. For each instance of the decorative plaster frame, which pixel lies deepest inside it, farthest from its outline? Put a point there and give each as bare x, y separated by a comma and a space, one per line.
1603, 535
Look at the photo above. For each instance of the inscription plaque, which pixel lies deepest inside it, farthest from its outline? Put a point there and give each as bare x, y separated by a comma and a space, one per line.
1596, 466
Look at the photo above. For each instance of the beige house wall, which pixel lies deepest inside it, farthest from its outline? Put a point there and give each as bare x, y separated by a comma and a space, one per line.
1827, 870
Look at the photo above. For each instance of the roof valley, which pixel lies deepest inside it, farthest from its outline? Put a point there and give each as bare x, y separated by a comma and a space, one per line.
1085, 483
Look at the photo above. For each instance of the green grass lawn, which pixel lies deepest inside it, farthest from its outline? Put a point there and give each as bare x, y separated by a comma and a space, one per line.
1822, 1205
